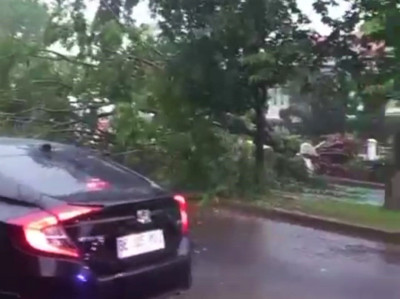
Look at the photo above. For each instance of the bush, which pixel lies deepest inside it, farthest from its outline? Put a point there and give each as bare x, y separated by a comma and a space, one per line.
358, 169
292, 144
290, 167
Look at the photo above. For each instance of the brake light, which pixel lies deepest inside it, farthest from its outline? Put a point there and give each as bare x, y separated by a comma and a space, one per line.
43, 231
96, 184
183, 211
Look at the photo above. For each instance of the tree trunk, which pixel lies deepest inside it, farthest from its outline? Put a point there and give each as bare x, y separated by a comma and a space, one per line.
259, 138
392, 190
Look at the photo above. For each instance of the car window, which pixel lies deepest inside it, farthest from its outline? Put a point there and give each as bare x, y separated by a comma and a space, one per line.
63, 174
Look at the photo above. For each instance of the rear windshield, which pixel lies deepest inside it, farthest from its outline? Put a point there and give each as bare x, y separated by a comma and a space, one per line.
63, 173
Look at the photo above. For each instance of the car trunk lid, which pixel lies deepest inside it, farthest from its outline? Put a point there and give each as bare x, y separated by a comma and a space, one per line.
97, 235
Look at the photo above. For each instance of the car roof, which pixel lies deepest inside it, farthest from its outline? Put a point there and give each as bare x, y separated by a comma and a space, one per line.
28, 173
17, 141
17, 146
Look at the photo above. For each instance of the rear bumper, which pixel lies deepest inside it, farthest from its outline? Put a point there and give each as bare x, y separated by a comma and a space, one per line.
151, 281
73, 280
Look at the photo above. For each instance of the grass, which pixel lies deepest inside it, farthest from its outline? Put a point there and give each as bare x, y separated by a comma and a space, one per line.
367, 215
326, 206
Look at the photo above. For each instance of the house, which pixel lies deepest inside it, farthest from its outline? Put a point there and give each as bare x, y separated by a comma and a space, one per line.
278, 100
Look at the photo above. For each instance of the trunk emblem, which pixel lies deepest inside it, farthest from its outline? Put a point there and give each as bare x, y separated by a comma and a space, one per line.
143, 216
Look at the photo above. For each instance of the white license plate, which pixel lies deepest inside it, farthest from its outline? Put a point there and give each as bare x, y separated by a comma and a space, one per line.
137, 244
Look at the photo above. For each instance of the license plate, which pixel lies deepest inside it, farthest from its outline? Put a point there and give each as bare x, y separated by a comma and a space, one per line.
138, 244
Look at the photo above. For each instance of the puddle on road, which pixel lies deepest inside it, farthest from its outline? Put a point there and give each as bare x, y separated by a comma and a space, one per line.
388, 252
283, 239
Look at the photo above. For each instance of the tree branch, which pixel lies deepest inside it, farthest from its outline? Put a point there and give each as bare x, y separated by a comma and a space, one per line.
62, 57
140, 59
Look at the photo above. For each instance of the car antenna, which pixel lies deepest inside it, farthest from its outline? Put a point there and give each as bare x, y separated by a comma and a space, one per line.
46, 148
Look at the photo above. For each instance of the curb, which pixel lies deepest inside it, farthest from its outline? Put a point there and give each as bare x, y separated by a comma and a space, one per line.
353, 183
312, 221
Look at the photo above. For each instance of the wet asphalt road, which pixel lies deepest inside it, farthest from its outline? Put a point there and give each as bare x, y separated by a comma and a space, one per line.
243, 257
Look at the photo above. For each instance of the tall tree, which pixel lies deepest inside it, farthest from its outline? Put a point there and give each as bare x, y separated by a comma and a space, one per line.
232, 52
381, 81
382, 25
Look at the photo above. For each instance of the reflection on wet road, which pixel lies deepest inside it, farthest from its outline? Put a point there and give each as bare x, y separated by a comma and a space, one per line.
244, 257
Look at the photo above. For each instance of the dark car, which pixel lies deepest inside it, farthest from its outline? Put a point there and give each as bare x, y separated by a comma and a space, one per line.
74, 224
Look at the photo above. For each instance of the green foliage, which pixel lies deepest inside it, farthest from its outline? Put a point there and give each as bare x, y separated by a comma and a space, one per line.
203, 159
292, 168
22, 19
178, 97
107, 61
231, 53
178, 147
30, 86
381, 25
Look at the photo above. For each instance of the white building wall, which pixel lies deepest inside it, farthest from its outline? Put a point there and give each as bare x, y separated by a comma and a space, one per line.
278, 100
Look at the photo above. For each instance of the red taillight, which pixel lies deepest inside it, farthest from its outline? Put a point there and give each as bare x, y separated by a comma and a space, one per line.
43, 231
183, 211
95, 184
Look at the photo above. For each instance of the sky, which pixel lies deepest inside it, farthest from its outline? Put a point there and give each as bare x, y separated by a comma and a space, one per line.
142, 14
335, 12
